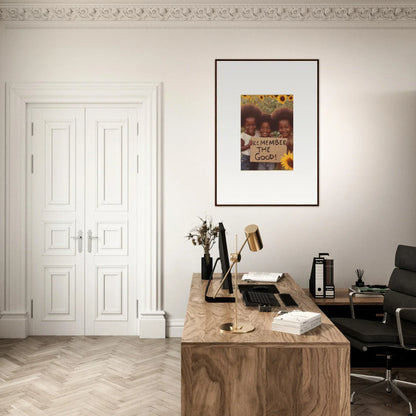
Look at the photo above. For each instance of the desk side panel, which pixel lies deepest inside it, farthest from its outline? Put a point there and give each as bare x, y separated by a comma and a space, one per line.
224, 381
326, 381
308, 381
283, 383
264, 381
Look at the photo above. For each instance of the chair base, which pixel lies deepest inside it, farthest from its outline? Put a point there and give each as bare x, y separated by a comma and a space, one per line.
389, 383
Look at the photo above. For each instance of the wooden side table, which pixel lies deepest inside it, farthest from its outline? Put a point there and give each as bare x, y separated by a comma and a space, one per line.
366, 307
341, 298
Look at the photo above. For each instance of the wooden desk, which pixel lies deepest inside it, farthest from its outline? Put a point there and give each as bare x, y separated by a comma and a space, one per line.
262, 373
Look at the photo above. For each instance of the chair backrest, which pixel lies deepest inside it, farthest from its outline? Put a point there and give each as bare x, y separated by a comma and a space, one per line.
402, 284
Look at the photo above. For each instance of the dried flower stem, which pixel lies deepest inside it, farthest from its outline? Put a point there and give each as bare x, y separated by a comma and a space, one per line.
359, 273
204, 235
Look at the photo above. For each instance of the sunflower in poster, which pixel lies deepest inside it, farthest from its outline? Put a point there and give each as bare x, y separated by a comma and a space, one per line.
287, 161
281, 99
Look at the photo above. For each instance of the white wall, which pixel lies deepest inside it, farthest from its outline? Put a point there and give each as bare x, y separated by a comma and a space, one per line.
367, 135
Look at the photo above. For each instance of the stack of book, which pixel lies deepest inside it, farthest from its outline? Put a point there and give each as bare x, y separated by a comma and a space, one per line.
296, 322
369, 289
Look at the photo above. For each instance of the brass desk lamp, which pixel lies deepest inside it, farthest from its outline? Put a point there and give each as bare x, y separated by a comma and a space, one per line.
253, 239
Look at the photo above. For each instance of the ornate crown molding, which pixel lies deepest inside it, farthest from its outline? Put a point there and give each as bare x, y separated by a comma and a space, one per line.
203, 13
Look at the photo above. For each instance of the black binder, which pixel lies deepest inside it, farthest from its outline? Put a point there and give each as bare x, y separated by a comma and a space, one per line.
329, 278
321, 281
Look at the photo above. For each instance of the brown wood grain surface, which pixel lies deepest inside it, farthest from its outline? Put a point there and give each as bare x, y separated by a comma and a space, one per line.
263, 373
203, 319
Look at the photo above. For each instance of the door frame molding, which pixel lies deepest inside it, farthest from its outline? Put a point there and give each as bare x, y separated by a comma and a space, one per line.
14, 317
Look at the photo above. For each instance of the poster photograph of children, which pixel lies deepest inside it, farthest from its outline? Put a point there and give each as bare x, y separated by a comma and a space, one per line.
267, 132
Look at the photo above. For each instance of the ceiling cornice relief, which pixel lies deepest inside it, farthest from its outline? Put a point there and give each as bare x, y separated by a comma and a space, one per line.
204, 13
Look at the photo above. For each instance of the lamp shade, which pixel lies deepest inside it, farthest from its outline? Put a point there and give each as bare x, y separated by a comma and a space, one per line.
253, 237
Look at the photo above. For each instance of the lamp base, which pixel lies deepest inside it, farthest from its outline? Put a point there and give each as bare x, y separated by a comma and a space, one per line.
241, 328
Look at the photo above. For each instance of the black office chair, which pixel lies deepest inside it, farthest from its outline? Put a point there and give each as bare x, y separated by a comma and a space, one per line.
397, 332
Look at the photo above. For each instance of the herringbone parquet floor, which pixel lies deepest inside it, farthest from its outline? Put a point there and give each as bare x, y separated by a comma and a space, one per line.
119, 376
94, 376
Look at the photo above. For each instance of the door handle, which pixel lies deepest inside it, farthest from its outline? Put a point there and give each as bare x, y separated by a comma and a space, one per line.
79, 238
90, 237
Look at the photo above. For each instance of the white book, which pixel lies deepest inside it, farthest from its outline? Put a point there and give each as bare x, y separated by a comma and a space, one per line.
262, 277
297, 325
294, 330
297, 316
296, 322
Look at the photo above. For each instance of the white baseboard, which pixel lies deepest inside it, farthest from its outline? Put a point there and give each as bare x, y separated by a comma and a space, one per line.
152, 324
13, 325
175, 328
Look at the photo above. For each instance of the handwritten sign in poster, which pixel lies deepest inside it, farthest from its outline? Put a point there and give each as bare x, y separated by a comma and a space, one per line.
267, 149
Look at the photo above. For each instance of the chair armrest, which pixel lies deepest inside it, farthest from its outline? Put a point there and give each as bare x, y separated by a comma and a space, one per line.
400, 330
352, 293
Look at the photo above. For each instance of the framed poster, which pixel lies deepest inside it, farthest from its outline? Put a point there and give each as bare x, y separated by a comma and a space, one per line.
266, 132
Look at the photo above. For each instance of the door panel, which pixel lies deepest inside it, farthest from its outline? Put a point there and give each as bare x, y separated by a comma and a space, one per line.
112, 239
60, 293
57, 215
57, 238
60, 169
111, 221
111, 170
112, 293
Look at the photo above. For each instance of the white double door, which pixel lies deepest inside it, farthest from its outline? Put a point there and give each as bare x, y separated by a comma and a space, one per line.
82, 261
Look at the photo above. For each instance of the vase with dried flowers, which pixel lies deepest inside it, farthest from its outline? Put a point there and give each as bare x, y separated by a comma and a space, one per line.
204, 235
